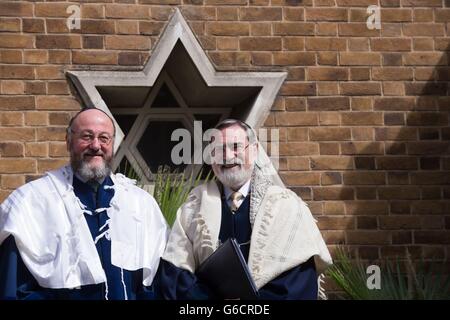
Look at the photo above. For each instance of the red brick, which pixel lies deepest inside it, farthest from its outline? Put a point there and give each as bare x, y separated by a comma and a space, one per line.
329, 134
36, 118
57, 149
16, 103
11, 149
333, 208
396, 163
333, 193
427, 119
57, 87
297, 134
328, 14
97, 26
391, 44
336, 223
298, 89
227, 13
127, 11
12, 87
364, 178
422, 3
227, 28
92, 11
11, 119
94, 57
36, 149
368, 237
230, 58
330, 178
383, 134
293, 14
357, 30
429, 207
17, 166
9, 25
293, 58
359, 59
423, 44
260, 43
58, 41
423, 29
397, 193
298, 163
323, 73
331, 163
295, 104
296, 119
327, 88
45, 165
327, 58
57, 103
360, 148
301, 178
10, 56
293, 29
12, 181
260, 14
396, 15
362, 134
425, 58
325, 44
394, 104
428, 147
328, 104
16, 41
366, 208
329, 119
392, 73
298, 148
261, 29
432, 237
360, 88
16, 9
59, 56
128, 42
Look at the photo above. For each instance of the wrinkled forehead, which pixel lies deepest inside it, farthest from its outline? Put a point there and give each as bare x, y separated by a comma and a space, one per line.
232, 134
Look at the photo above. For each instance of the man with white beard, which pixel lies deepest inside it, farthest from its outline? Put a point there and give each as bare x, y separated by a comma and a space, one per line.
81, 232
277, 234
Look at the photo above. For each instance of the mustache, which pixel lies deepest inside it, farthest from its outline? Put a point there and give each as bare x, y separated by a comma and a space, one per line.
92, 154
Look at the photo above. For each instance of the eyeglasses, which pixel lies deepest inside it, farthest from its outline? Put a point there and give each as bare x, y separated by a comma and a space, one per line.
88, 137
237, 148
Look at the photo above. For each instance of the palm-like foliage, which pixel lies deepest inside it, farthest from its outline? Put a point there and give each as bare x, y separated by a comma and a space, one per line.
416, 283
172, 190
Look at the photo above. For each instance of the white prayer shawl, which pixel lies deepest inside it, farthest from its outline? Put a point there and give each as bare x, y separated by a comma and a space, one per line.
284, 233
53, 238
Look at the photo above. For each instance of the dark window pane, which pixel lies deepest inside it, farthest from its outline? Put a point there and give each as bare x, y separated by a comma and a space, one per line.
155, 145
165, 99
125, 122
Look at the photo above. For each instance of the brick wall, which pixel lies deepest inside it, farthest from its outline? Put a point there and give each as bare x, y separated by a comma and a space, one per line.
363, 114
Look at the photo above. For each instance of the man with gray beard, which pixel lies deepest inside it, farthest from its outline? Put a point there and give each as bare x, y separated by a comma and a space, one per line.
81, 232
274, 228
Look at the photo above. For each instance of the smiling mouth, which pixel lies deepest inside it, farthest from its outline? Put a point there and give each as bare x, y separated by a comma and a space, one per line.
229, 166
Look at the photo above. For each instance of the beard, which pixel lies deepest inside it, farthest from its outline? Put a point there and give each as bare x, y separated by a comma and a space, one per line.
233, 178
88, 171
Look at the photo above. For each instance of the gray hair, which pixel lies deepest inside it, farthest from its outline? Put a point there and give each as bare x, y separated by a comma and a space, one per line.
251, 135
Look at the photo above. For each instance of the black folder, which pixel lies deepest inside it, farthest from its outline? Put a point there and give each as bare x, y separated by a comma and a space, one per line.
226, 273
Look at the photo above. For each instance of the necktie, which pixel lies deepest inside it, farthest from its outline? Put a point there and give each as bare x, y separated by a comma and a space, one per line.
94, 184
235, 197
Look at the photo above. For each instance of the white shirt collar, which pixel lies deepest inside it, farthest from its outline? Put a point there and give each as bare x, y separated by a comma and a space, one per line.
244, 190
